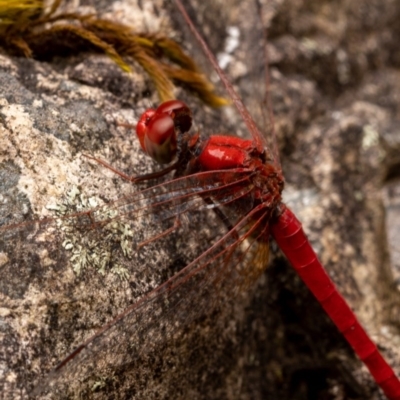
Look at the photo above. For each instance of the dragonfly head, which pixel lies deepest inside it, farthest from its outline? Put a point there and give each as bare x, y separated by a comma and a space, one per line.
157, 129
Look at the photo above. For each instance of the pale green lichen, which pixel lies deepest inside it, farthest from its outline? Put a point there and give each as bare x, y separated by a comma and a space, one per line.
94, 235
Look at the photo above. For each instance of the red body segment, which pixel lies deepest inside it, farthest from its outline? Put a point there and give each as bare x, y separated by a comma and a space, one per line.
223, 152
290, 237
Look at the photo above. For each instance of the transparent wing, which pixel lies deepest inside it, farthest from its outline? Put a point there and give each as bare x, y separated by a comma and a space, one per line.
119, 235
72, 265
167, 313
239, 42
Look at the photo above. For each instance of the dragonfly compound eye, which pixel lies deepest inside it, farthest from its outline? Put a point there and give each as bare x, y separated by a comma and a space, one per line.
179, 112
157, 129
142, 126
160, 139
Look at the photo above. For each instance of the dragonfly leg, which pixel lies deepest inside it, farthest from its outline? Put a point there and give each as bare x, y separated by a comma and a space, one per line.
134, 179
176, 225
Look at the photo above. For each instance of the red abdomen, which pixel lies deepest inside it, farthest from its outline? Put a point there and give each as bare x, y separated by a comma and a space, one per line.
290, 237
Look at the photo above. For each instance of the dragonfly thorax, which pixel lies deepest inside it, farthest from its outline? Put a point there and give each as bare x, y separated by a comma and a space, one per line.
164, 135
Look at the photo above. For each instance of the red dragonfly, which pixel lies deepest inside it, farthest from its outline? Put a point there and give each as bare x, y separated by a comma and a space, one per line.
241, 243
